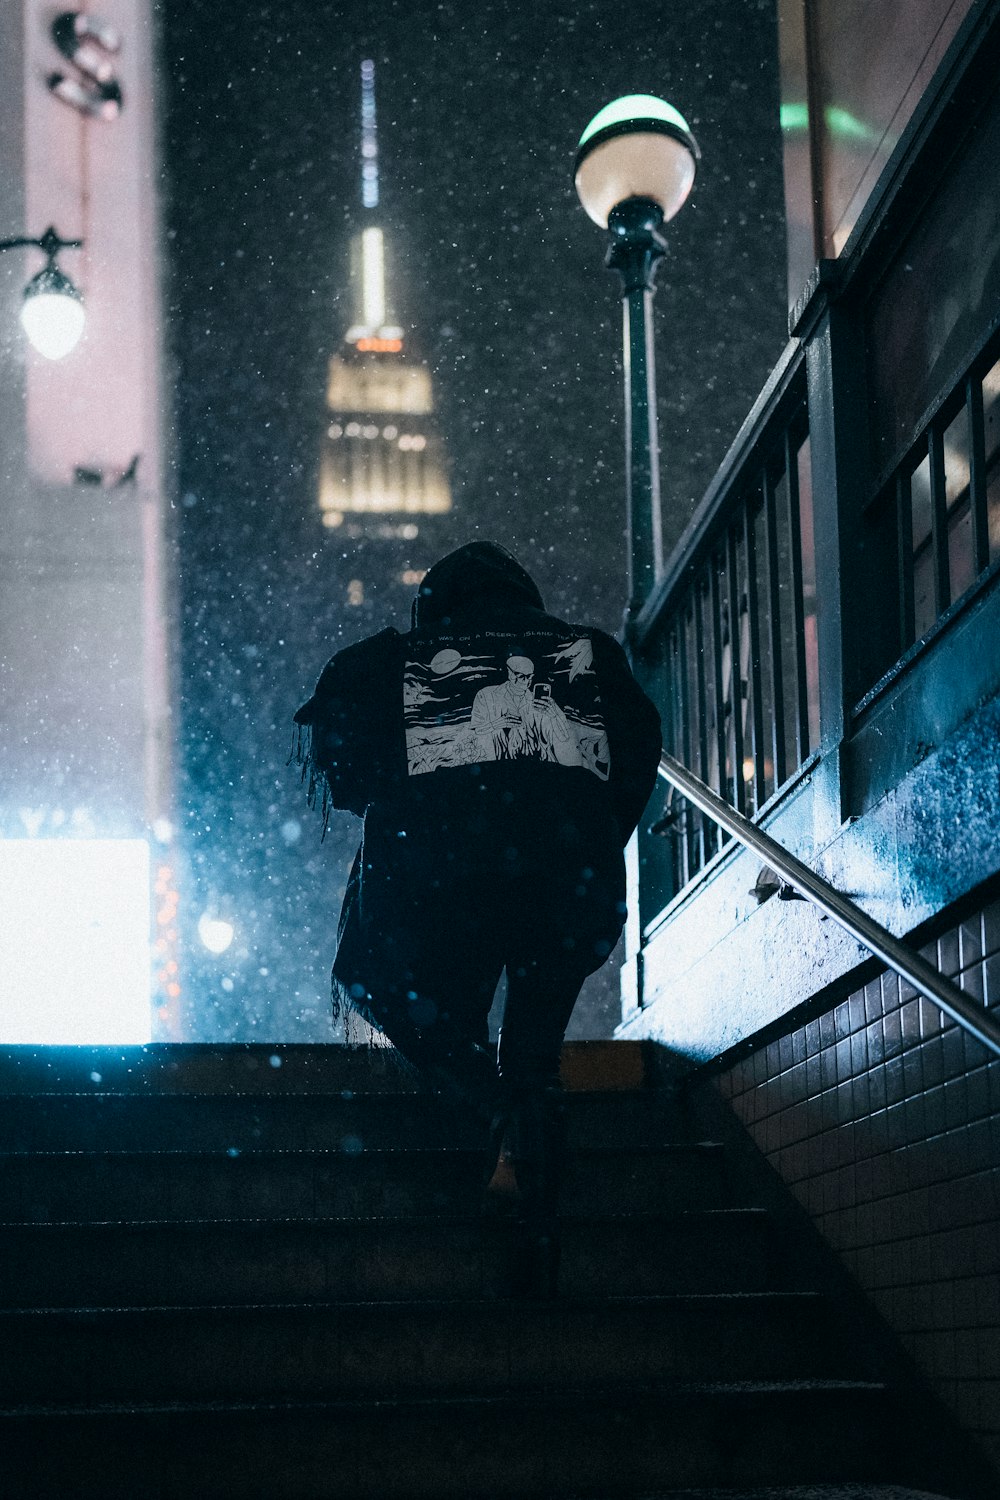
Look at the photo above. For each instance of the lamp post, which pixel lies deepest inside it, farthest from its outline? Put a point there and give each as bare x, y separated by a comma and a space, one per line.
635, 166
52, 314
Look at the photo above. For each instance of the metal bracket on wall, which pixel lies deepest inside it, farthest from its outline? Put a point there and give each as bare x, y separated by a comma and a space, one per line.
769, 884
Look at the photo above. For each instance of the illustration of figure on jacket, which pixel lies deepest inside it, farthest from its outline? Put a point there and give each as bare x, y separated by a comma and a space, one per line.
513, 719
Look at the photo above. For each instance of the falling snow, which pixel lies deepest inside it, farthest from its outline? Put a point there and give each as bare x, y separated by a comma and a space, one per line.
499, 281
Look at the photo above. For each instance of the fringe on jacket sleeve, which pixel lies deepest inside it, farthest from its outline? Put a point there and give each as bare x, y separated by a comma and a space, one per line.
313, 776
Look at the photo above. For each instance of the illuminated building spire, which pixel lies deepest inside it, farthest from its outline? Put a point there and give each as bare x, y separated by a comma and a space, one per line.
383, 461
373, 329
369, 137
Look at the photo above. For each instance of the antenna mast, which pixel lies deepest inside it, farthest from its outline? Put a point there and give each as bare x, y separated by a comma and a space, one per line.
369, 137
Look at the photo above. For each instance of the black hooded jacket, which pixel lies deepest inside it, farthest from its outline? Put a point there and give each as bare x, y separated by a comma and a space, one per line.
489, 727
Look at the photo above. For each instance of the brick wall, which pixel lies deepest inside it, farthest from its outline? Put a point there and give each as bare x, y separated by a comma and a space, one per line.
884, 1120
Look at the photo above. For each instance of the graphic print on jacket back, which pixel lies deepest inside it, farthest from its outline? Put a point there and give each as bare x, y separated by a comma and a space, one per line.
467, 700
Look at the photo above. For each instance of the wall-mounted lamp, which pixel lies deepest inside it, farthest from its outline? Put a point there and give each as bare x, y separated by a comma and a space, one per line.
52, 314
90, 45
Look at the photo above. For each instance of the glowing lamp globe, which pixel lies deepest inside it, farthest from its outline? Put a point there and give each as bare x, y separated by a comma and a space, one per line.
52, 314
216, 934
636, 147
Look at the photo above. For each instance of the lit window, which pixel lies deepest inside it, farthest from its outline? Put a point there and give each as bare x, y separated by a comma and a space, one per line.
335, 430
391, 433
412, 576
355, 592
371, 432
353, 429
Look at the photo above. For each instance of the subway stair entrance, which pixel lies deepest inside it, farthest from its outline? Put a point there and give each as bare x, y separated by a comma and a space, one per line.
266, 1272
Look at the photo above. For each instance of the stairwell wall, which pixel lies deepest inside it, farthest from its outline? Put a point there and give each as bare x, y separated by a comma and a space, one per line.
883, 1118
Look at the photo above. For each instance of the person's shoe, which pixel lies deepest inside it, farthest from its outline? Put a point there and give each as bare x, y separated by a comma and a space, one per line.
537, 1139
501, 1195
535, 1262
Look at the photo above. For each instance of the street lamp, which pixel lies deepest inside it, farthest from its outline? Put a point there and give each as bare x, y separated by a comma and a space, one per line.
52, 313
634, 169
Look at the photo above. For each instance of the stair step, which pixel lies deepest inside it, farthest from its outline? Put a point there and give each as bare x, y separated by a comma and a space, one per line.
98, 1121
203, 1262
103, 1355
286, 1287
259, 1068
528, 1446
335, 1184
782, 1492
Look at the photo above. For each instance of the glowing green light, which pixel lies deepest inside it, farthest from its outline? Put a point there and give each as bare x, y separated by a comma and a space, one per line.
635, 107
840, 123
794, 117
848, 127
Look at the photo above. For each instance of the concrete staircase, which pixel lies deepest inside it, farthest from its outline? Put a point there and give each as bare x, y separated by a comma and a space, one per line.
264, 1272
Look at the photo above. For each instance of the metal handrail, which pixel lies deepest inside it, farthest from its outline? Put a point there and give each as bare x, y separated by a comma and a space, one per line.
909, 965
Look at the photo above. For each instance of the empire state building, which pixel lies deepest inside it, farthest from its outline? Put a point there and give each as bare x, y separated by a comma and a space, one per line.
382, 464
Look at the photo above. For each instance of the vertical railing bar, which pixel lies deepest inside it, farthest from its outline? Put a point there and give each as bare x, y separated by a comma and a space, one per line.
774, 619
904, 533
721, 732
977, 474
680, 744
798, 601
684, 706
939, 520
669, 738
736, 675
697, 709
701, 694
756, 665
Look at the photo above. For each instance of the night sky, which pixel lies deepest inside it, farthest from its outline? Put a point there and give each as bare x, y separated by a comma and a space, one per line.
499, 274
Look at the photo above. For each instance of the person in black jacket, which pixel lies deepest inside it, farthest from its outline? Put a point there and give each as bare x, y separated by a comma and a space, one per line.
501, 759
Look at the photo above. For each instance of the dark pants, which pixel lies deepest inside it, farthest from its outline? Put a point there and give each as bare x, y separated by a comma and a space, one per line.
443, 944
431, 964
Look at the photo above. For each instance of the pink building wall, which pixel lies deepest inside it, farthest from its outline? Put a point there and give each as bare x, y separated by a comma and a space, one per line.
85, 567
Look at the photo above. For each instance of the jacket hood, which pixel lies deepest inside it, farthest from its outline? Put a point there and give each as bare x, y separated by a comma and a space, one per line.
471, 575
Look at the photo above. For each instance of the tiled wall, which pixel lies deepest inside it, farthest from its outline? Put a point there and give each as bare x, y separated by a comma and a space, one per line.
884, 1120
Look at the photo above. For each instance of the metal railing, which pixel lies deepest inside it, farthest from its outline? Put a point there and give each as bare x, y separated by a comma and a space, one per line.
911, 966
728, 641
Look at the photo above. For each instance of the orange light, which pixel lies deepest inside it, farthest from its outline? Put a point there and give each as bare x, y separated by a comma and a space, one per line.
173, 990
379, 346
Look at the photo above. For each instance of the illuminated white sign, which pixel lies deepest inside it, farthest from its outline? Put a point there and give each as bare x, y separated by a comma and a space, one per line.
74, 941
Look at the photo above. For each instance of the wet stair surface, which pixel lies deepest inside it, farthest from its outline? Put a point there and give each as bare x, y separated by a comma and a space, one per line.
249, 1271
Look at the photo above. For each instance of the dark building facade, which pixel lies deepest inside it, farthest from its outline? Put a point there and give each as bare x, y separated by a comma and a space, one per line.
825, 650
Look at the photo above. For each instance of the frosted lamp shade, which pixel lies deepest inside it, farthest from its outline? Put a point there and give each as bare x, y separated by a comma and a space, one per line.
639, 164
52, 314
216, 934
